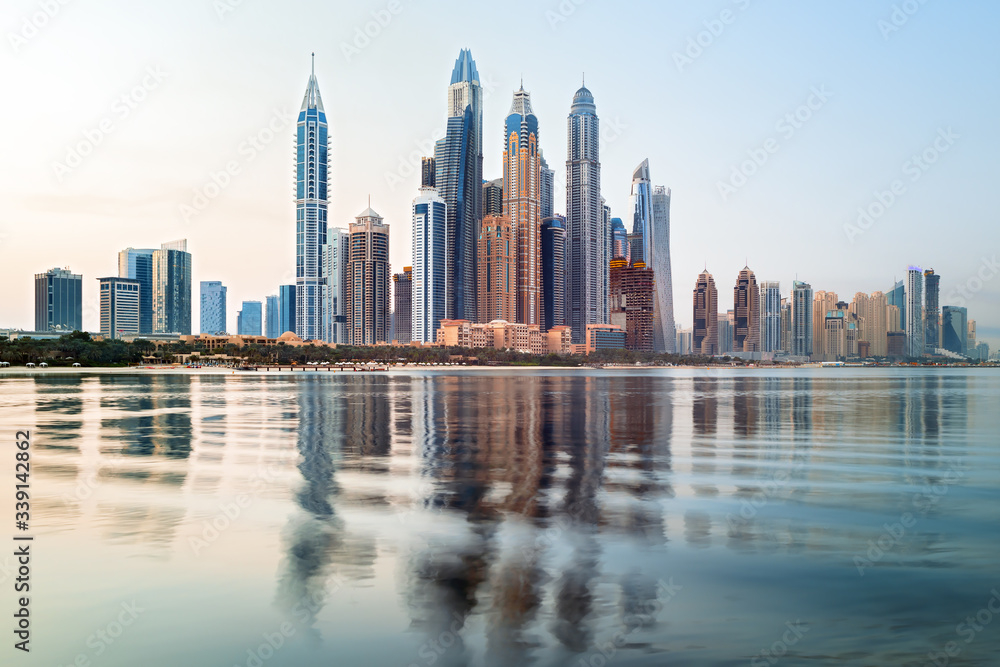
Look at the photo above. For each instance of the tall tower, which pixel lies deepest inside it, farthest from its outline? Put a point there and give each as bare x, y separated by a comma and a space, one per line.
914, 312
746, 301
522, 203
172, 288
137, 264
932, 311
368, 280
663, 298
587, 272
554, 271
58, 301
311, 161
770, 330
705, 332
458, 160
802, 319
430, 255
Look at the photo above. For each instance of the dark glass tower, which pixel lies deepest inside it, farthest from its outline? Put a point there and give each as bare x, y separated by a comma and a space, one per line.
458, 162
932, 311
58, 301
311, 160
553, 272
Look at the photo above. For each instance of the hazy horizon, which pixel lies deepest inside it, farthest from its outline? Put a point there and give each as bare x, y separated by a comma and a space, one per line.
166, 96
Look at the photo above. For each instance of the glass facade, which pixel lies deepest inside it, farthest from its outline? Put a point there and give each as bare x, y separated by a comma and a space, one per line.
137, 264
248, 321
554, 272
172, 289
213, 307
429, 272
955, 326
286, 303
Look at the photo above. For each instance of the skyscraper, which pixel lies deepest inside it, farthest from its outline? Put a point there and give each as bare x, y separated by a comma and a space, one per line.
802, 319
368, 280
248, 320
705, 332
956, 328
746, 301
119, 306
642, 214
459, 181
497, 269
335, 254
213, 307
770, 314
311, 164
588, 236
137, 264
663, 305
272, 316
172, 289
58, 301
522, 203
286, 302
430, 265
554, 243
932, 311
402, 294
914, 312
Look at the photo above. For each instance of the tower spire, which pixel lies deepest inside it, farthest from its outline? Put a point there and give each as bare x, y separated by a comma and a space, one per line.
314, 63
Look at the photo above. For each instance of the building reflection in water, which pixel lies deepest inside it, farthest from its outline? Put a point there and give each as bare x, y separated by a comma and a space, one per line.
335, 418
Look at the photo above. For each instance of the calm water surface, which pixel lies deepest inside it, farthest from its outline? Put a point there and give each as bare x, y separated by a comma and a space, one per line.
821, 517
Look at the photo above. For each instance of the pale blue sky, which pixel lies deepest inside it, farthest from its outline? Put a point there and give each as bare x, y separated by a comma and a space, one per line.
221, 76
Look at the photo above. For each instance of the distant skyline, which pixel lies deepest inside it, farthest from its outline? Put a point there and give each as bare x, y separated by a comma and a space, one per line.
773, 124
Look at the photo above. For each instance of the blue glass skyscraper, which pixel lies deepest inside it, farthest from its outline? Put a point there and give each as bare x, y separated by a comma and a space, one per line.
213, 307
459, 180
137, 264
428, 305
286, 303
311, 160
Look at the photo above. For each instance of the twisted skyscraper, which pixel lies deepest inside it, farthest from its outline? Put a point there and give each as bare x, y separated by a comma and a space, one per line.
459, 180
651, 232
310, 211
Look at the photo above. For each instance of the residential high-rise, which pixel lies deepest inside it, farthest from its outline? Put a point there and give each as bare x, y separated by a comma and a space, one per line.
428, 172
430, 266
970, 341
311, 167
786, 325
835, 333
663, 305
459, 182
705, 331
172, 289
770, 317
248, 320
213, 307
619, 240
823, 302
137, 264
497, 269
402, 294
642, 214
368, 274
631, 296
914, 312
932, 311
272, 316
286, 302
802, 319
522, 203
119, 306
493, 198
335, 254
554, 241
58, 301
547, 187
955, 328
589, 237
746, 302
